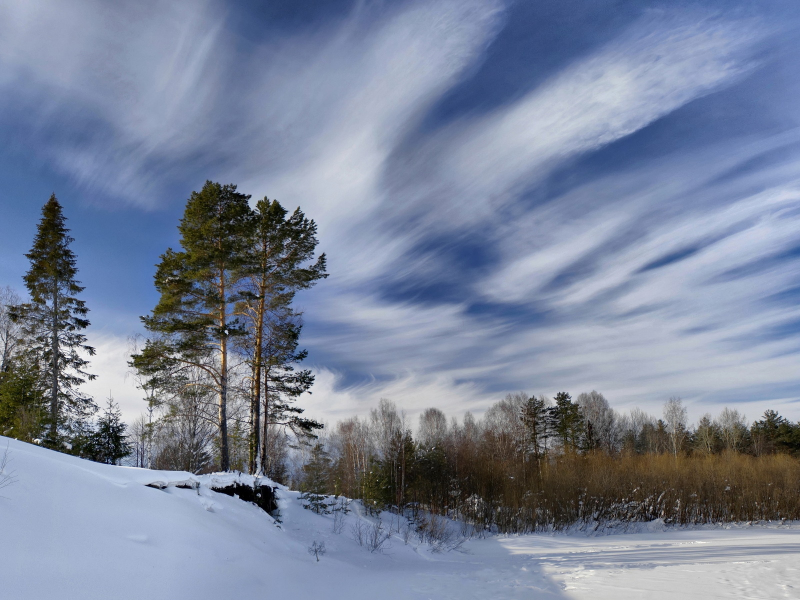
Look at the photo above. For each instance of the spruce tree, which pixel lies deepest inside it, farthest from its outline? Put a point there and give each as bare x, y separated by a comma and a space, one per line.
315, 485
193, 322
53, 322
109, 442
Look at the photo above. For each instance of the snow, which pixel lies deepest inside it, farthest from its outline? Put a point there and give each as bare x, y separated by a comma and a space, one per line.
70, 528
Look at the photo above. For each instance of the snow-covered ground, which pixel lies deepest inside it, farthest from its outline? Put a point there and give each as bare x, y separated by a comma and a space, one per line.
75, 529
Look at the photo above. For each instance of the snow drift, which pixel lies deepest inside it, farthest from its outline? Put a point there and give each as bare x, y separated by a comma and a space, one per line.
70, 528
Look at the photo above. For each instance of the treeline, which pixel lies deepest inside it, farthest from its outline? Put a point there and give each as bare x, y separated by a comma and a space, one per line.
537, 464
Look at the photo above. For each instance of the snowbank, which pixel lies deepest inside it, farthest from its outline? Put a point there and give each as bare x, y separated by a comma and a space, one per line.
70, 528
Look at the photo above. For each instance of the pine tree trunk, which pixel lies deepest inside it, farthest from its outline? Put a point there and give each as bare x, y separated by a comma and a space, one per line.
223, 413
255, 426
223, 388
265, 432
255, 402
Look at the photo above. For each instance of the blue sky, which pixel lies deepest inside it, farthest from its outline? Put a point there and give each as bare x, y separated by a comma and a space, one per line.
534, 196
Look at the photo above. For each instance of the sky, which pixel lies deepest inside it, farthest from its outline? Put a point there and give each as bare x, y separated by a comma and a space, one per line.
538, 196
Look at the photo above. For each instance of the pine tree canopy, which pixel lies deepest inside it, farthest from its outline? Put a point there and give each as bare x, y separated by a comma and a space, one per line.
198, 284
281, 245
566, 421
193, 320
227, 292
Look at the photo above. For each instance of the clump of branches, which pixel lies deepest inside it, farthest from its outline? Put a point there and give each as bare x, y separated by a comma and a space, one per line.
372, 536
440, 535
340, 511
6, 475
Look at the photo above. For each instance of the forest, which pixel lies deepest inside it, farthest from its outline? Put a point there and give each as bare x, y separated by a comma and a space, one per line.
220, 373
532, 464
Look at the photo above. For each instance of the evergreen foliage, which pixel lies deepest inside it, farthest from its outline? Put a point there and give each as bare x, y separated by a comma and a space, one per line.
193, 321
227, 295
773, 433
109, 441
277, 268
390, 475
566, 421
52, 324
281, 383
23, 399
534, 419
316, 482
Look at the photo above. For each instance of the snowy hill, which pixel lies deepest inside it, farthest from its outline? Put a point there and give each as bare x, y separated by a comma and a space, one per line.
76, 529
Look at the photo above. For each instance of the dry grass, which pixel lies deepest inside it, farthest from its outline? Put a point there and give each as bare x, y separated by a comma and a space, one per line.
574, 489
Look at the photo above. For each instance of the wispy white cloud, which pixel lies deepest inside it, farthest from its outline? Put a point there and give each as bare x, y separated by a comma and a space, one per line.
343, 111
660, 64
675, 330
324, 120
113, 374
477, 165
413, 392
141, 80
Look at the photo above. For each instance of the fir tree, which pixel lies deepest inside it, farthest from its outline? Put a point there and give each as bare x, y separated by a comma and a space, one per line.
53, 321
193, 321
109, 441
315, 485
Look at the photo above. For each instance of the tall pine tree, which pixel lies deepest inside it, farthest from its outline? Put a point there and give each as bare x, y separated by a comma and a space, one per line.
278, 266
53, 322
193, 321
534, 419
